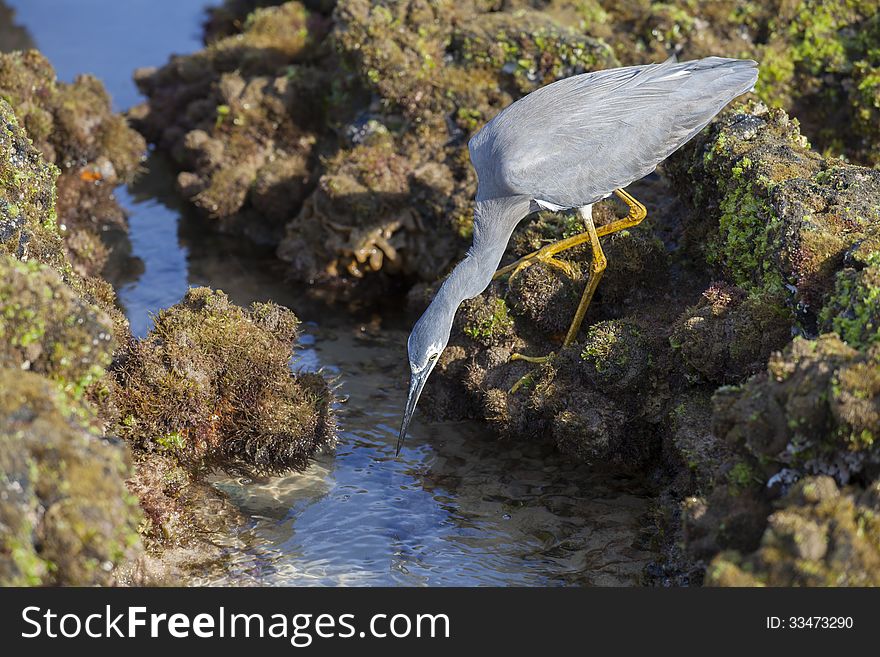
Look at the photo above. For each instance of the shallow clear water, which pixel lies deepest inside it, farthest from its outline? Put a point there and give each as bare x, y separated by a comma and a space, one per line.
459, 507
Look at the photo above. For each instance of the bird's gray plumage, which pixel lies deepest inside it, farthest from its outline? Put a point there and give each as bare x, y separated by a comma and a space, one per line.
574, 141
568, 145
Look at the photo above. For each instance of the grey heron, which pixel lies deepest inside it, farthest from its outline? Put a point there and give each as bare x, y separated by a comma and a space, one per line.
567, 146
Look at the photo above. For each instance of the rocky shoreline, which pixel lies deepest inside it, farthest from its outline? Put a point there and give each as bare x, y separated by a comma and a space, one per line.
105, 439
730, 358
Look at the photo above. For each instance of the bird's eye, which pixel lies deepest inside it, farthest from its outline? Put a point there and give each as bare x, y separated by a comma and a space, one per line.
433, 357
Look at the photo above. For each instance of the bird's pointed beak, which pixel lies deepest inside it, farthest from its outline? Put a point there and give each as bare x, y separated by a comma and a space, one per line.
416, 383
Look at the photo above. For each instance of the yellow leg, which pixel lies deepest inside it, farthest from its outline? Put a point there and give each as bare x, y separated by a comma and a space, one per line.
597, 268
637, 213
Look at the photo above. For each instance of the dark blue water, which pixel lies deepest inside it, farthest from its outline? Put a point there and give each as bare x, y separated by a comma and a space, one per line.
459, 507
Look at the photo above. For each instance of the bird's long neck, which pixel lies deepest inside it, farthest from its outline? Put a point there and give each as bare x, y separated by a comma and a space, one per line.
494, 221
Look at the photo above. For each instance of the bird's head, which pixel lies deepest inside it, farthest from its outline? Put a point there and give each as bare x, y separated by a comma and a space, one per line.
426, 342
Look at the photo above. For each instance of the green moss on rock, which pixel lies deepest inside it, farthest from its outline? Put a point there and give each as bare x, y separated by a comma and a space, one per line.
27, 205
614, 354
46, 327
67, 517
486, 319
531, 56
818, 57
29, 229
853, 308
772, 215
74, 127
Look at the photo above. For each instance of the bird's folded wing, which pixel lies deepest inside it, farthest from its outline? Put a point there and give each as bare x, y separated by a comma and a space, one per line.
575, 140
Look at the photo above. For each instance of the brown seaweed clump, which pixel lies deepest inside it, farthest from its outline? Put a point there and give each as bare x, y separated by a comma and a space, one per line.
74, 127
819, 535
211, 385
66, 514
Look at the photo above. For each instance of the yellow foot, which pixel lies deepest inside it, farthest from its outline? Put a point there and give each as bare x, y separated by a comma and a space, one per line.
543, 255
549, 260
529, 376
532, 359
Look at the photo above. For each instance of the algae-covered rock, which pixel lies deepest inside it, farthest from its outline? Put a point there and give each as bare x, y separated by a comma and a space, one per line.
852, 310
27, 206
815, 410
65, 513
770, 214
46, 327
592, 400
74, 127
424, 78
29, 229
818, 536
793, 235
230, 16
211, 385
343, 135
730, 334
